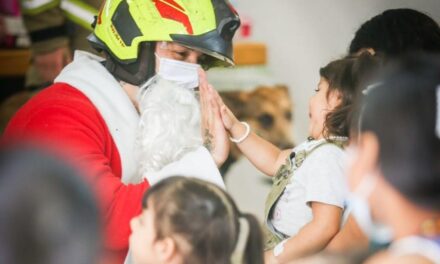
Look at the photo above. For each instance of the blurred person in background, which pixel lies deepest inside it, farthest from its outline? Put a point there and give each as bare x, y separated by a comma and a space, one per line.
396, 32
56, 29
391, 34
48, 215
395, 171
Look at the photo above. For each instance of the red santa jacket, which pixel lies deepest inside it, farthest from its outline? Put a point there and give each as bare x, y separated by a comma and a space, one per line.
66, 118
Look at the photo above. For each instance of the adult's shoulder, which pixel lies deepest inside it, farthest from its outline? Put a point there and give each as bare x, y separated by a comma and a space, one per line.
57, 107
60, 94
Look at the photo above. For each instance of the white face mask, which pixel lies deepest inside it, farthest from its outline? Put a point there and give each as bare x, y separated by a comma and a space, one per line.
182, 73
359, 208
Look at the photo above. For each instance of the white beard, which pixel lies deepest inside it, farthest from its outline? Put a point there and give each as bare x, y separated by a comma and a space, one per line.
169, 124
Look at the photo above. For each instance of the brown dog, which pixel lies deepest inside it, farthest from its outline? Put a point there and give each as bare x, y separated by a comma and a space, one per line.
268, 111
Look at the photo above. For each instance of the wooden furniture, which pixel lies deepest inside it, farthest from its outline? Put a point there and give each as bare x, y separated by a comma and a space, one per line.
250, 53
14, 62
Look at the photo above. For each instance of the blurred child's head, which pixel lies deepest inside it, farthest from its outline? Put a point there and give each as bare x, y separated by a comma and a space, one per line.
398, 147
396, 32
191, 221
47, 214
330, 109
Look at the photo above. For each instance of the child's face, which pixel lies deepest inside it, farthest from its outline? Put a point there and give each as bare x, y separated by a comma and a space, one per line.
143, 244
320, 105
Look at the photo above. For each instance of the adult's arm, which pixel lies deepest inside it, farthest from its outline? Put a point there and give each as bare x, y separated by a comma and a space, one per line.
350, 238
76, 128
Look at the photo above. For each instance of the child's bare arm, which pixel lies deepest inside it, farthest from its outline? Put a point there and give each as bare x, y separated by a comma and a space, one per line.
313, 237
263, 154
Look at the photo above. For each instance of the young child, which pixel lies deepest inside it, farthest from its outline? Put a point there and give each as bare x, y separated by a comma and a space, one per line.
190, 221
304, 208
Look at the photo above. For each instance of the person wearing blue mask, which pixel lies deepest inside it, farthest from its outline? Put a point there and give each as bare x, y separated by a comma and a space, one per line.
394, 173
92, 109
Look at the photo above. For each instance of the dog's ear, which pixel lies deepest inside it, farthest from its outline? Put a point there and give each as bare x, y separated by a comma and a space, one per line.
282, 87
236, 101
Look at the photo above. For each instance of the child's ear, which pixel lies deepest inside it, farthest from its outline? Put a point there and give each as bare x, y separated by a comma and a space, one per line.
334, 99
166, 249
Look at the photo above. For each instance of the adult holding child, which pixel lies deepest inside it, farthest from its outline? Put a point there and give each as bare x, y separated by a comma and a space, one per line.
305, 206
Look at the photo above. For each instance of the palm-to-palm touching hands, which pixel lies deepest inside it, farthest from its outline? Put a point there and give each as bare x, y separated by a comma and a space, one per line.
216, 120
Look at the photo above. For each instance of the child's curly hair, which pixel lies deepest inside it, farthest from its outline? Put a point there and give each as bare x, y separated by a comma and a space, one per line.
346, 76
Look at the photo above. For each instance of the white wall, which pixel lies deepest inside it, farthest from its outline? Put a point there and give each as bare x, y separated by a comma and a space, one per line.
304, 35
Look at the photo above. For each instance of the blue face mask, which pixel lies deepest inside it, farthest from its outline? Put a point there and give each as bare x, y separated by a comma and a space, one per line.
377, 233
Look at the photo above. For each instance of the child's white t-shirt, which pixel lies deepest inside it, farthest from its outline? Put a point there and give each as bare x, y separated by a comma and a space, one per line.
320, 178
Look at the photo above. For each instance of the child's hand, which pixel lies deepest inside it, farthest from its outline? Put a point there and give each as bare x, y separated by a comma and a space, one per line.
215, 137
231, 123
228, 118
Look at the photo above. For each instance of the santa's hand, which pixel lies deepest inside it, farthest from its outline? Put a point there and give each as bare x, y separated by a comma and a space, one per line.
214, 134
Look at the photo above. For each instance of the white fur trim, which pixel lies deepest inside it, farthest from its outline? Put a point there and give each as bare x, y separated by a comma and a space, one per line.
197, 164
87, 74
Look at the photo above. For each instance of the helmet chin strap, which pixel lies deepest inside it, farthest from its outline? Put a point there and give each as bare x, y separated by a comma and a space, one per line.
137, 72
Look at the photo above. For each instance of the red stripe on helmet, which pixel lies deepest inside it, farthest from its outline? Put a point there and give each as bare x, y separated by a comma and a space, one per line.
171, 10
176, 5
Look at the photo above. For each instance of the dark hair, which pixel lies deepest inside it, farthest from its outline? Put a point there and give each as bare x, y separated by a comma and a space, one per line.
205, 217
396, 32
47, 214
402, 111
346, 76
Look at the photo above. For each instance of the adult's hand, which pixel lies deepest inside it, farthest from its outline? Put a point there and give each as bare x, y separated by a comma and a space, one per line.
215, 137
49, 65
